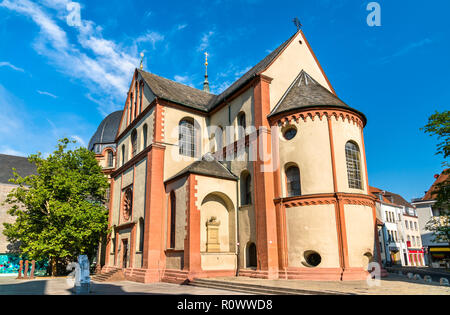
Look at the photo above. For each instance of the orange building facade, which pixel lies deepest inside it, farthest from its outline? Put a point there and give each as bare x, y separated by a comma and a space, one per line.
266, 180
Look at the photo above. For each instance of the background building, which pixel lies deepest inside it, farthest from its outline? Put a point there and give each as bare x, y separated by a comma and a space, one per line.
437, 253
399, 236
9, 260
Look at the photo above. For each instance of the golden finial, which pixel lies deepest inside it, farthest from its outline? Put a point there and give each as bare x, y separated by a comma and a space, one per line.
206, 83
142, 60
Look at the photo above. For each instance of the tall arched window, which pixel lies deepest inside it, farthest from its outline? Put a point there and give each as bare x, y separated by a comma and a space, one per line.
293, 181
187, 137
136, 92
242, 125
133, 143
144, 135
123, 154
173, 213
131, 108
141, 93
110, 158
246, 188
353, 165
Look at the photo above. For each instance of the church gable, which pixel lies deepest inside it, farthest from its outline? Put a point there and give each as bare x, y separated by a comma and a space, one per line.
140, 96
294, 58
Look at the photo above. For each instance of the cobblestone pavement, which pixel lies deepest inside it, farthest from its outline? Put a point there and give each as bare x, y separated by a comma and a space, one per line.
60, 286
392, 285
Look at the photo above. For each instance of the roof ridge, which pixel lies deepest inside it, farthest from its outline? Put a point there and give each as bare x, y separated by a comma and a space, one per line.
176, 82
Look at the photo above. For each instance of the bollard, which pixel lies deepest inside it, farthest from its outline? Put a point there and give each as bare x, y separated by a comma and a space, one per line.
25, 273
33, 267
20, 270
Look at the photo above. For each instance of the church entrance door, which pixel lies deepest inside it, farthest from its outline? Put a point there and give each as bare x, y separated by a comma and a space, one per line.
125, 253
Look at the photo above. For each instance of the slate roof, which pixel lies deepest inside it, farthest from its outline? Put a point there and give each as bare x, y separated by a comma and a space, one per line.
198, 99
397, 200
306, 92
177, 92
21, 164
106, 132
207, 167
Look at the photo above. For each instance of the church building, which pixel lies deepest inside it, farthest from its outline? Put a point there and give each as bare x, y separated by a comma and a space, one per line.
266, 180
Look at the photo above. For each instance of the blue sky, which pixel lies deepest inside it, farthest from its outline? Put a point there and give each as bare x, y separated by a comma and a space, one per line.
58, 80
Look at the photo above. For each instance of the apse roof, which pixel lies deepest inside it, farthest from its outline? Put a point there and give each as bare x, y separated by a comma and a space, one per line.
106, 132
306, 92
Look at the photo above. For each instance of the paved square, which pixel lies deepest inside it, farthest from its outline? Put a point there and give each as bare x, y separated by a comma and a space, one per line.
60, 286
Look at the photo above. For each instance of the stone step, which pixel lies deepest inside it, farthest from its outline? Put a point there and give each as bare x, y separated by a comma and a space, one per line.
252, 288
113, 275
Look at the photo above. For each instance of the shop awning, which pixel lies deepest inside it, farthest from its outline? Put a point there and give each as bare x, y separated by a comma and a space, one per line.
440, 249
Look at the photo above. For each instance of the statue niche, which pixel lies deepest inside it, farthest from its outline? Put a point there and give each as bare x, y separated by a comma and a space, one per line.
212, 240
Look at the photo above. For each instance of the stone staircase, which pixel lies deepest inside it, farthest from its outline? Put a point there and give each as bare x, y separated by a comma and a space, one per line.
252, 288
109, 276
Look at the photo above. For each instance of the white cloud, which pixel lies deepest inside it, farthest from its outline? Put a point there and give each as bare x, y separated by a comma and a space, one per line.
79, 140
104, 66
7, 64
205, 41
406, 50
186, 80
9, 151
150, 37
47, 94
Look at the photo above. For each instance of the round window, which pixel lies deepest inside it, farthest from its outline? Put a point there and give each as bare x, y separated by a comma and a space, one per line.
290, 132
313, 259
127, 204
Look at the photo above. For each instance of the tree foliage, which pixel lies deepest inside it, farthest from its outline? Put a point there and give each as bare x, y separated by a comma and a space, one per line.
439, 125
59, 212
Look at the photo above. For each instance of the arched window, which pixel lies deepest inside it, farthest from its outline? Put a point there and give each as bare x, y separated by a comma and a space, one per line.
242, 125
187, 138
110, 158
141, 234
136, 92
144, 135
293, 181
123, 154
141, 93
133, 143
173, 211
131, 107
353, 165
246, 188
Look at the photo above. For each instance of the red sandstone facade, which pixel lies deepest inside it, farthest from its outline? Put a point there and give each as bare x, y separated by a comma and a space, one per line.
283, 228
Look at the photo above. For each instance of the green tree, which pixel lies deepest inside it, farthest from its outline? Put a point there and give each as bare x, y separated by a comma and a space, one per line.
59, 212
439, 125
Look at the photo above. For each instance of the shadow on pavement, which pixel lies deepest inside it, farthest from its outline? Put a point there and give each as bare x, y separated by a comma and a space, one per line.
24, 287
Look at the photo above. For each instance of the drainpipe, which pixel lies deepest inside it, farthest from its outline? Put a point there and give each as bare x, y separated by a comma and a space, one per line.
238, 243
